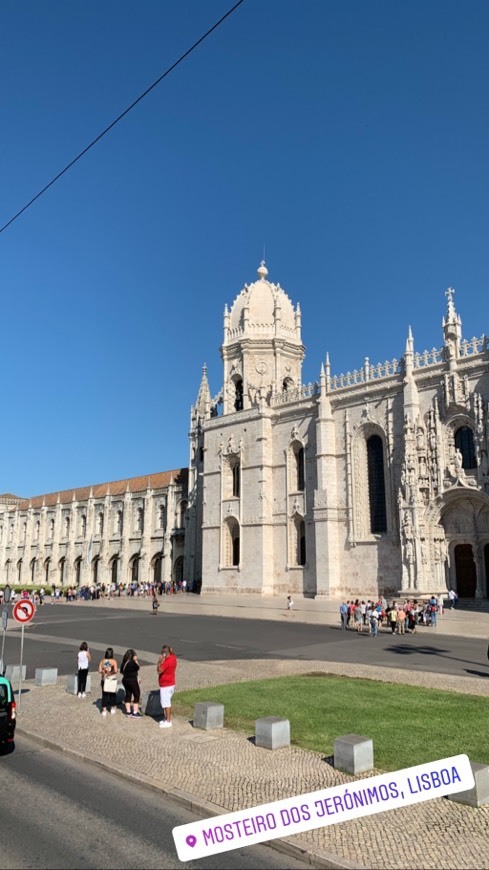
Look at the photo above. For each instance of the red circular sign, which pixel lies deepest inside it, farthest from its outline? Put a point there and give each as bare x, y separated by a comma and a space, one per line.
23, 610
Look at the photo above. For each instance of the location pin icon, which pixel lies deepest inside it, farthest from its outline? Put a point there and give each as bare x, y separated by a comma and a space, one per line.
191, 840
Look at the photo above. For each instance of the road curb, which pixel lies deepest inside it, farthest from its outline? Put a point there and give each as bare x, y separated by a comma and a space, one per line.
300, 852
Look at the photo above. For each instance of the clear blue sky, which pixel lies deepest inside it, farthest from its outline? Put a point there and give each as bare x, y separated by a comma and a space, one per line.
351, 138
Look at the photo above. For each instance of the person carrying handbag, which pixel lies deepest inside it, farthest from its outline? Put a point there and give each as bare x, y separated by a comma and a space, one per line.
108, 672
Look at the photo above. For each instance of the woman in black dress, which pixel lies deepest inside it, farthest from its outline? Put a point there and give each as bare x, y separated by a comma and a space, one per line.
129, 671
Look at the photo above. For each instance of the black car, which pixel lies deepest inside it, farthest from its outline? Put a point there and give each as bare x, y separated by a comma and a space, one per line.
7, 713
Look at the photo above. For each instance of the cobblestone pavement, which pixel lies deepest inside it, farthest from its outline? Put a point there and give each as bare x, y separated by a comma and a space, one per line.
224, 771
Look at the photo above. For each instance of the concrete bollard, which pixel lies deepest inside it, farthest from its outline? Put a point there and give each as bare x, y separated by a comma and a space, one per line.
72, 684
353, 754
479, 795
151, 704
272, 732
208, 715
46, 676
12, 673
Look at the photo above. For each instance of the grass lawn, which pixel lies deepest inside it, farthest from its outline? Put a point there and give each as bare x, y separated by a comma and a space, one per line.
408, 725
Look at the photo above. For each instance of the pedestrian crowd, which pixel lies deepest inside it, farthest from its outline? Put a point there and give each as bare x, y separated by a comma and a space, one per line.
109, 670
399, 617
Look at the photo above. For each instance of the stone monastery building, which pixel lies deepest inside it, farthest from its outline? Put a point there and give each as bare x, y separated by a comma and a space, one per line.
376, 481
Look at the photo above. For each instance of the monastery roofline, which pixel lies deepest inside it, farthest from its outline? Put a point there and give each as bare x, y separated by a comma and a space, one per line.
158, 480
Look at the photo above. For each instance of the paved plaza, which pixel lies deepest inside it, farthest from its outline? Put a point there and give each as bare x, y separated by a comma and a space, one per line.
224, 771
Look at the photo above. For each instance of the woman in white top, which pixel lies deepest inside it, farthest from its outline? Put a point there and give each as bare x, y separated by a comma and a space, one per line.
84, 659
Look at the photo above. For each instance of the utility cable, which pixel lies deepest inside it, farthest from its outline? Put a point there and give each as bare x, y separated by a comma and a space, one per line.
122, 115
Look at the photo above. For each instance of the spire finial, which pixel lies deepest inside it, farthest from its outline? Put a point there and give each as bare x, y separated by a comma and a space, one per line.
262, 270
451, 307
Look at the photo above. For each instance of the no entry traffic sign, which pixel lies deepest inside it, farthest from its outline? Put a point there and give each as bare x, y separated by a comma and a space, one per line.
23, 611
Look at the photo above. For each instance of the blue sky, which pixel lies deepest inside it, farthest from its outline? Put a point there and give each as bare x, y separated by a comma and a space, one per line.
351, 138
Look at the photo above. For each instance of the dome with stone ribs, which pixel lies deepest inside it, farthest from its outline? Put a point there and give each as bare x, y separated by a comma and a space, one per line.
260, 306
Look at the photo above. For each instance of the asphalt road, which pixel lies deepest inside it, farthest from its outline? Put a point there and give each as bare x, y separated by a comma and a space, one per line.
53, 637
58, 813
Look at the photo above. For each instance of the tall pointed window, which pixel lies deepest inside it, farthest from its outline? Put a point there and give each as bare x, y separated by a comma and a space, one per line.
236, 476
231, 543
238, 401
376, 485
464, 441
299, 469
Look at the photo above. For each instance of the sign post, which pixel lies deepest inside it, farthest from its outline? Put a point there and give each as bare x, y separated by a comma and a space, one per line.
22, 611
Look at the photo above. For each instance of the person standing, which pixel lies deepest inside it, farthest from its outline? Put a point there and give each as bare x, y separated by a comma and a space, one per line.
84, 659
155, 603
374, 623
344, 615
166, 668
130, 681
290, 604
452, 595
108, 668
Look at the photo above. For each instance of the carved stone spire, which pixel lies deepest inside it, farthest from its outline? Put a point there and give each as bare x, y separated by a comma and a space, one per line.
452, 331
204, 396
411, 397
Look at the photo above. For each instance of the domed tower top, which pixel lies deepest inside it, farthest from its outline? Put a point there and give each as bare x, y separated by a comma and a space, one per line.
262, 349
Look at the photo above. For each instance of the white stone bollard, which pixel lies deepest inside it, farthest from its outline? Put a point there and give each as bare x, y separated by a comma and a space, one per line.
272, 732
208, 715
46, 676
353, 754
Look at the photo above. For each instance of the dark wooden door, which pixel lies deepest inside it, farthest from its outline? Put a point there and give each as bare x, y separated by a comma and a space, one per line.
465, 570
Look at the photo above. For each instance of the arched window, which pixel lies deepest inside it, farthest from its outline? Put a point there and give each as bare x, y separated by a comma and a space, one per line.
114, 570
135, 570
67, 527
38, 529
51, 529
231, 543
162, 517
299, 468
24, 532
464, 441
7, 569
95, 564
238, 402
118, 524
236, 478
19, 571
182, 510
78, 563
157, 565
376, 485
47, 565
62, 563
140, 520
33, 571
100, 524
83, 526
299, 541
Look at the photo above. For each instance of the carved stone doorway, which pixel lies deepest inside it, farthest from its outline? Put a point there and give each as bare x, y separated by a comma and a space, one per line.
465, 571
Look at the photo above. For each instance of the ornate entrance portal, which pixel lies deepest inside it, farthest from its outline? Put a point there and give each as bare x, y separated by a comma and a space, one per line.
465, 570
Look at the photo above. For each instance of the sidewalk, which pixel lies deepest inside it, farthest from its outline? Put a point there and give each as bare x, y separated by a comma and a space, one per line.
214, 772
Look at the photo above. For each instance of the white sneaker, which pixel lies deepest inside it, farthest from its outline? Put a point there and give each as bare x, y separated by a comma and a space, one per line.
83, 695
104, 712
79, 694
112, 711
165, 724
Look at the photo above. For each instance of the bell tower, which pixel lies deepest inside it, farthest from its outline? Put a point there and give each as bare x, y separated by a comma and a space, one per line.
262, 351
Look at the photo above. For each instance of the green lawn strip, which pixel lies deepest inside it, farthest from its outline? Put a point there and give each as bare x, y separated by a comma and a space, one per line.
408, 725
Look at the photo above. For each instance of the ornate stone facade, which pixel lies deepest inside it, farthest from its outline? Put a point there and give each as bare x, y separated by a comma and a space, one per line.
114, 532
373, 481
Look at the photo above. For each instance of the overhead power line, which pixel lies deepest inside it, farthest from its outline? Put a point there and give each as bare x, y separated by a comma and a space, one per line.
122, 115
